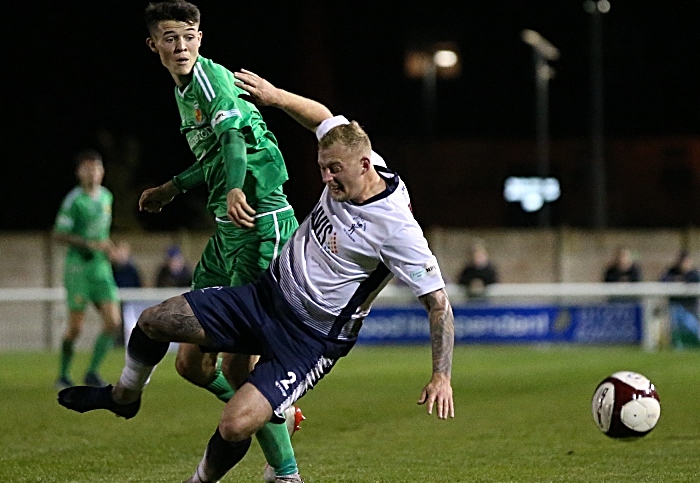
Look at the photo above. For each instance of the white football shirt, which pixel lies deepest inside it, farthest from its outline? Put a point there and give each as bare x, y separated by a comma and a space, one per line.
344, 253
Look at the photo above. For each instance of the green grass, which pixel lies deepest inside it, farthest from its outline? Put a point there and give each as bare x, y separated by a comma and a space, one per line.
523, 415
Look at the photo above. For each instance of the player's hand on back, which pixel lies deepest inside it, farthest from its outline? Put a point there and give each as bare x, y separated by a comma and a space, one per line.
439, 392
238, 209
262, 92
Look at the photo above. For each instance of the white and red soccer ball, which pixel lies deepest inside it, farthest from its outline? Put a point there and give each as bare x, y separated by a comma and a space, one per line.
626, 405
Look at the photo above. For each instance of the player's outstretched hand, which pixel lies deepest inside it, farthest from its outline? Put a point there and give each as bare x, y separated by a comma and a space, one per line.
154, 199
262, 91
439, 391
238, 209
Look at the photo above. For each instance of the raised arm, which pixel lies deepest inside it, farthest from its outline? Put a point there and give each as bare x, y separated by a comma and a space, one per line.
439, 389
307, 112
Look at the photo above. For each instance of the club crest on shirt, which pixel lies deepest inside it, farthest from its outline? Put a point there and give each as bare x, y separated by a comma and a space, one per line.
198, 116
358, 223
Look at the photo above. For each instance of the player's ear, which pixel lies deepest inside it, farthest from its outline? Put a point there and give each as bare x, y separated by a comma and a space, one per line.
366, 164
200, 37
151, 44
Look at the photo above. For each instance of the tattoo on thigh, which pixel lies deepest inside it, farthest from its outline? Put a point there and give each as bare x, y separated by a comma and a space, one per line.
177, 315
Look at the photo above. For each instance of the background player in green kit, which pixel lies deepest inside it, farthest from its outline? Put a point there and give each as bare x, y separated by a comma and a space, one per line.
83, 223
238, 159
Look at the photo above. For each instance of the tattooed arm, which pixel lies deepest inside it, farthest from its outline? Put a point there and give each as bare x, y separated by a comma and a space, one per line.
442, 334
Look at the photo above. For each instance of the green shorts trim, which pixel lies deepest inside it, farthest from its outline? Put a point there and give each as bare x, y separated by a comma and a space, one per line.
87, 282
237, 256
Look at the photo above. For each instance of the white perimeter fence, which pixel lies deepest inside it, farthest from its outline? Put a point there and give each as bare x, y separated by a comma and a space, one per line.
34, 318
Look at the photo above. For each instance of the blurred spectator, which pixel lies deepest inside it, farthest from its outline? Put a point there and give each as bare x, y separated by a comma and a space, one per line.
623, 268
479, 271
174, 272
123, 267
685, 329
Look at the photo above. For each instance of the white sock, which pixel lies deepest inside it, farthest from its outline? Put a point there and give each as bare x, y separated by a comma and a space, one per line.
135, 375
197, 477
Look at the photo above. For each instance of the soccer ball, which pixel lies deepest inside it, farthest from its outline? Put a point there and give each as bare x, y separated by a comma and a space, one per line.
626, 405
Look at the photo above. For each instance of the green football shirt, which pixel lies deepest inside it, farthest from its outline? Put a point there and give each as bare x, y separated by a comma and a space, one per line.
211, 104
88, 217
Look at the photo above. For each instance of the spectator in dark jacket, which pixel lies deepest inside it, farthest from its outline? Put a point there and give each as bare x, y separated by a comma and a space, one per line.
685, 328
174, 272
623, 268
479, 272
126, 274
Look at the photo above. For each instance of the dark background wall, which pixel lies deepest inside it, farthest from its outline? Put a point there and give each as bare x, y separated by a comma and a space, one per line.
78, 74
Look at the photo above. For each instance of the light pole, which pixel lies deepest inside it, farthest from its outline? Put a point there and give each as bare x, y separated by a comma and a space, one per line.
439, 60
543, 52
429, 96
596, 9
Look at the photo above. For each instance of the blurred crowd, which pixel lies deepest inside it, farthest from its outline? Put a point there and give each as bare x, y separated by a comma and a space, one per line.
174, 271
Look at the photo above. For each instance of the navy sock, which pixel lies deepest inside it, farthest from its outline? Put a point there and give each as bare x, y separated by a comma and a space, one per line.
223, 455
144, 349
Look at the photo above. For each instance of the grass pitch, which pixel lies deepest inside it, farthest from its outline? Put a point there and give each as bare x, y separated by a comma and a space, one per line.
523, 415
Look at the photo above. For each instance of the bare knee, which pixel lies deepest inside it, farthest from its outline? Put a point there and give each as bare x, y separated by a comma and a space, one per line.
173, 321
238, 429
244, 414
148, 321
72, 332
184, 367
75, 325
111, 317
194, 366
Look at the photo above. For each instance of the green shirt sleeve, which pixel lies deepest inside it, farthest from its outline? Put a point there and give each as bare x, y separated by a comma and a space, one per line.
221, 102
65, 219
235, 159
189, 178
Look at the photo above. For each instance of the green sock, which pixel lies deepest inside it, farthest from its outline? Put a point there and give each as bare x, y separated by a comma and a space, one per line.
277, 447
273, 437
103, 345
66, 358
220, 387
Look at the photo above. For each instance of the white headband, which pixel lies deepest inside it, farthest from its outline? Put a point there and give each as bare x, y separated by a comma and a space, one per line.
329, 124
335, 121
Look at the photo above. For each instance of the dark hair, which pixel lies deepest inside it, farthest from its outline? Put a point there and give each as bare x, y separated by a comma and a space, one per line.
87, 154
170, 10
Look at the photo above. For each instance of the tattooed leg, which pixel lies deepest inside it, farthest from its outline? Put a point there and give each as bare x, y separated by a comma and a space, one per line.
170, 321
173, 321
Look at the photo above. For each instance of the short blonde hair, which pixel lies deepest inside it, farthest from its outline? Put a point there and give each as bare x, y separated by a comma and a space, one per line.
352, 136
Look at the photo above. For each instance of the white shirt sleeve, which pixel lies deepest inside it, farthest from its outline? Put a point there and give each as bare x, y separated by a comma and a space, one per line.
407, 255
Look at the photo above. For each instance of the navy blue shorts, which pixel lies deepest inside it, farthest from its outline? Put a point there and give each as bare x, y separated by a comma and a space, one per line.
255, 319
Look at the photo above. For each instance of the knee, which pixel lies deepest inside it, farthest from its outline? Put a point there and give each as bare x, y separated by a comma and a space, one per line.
110, 328
148, 322
234, 430
189, 371
72, 332
182, 367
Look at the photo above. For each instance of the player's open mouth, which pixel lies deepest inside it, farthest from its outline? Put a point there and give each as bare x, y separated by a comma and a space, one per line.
182, 61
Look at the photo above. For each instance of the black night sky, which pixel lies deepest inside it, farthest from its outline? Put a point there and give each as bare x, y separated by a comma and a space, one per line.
78, 74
